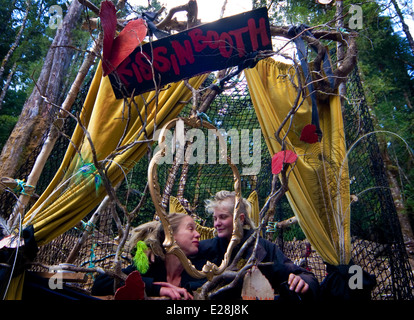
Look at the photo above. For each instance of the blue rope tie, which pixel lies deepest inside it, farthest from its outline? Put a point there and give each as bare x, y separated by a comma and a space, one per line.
21, 187
202, 115
271, 226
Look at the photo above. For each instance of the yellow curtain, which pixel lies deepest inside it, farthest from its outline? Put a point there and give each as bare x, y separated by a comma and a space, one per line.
253, 199
15, 290
115, 131
319, 183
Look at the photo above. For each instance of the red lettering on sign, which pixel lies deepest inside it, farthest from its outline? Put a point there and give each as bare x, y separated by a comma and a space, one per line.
144, 67
226, 45
198, 39
212, 39
238, 34
137, 72
123, 69
174, 63
255, 32
161, 63
183, 53
204, 48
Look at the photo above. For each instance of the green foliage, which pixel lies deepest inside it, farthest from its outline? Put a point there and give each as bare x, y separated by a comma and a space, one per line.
32, 49
7, 124
294, 232
30, 52
386, 67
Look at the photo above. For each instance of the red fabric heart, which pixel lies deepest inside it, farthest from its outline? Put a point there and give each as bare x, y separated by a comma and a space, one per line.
309, 134
282, 157
117, 50
134, 288
107, 15
125, 43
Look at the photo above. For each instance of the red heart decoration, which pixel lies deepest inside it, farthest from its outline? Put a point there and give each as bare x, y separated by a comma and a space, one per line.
134, 288
125, 43
278, 159
309, 134
107, 15
117, 50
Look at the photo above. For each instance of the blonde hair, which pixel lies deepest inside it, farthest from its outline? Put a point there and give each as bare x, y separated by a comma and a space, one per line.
152, 233
175, 220
227, 199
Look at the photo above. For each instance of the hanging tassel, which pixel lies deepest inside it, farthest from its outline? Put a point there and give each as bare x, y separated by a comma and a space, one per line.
140, 258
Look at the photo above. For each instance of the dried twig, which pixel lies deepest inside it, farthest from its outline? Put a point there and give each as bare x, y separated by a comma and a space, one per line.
111, 273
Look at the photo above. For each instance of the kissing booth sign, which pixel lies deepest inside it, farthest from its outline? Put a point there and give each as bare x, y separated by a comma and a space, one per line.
213, 46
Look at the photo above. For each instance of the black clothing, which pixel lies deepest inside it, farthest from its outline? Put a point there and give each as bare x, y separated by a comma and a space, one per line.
104, 284
214, 249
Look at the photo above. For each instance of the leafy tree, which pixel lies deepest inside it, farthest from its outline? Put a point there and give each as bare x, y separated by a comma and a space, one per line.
28, 55
47, 66
386, 67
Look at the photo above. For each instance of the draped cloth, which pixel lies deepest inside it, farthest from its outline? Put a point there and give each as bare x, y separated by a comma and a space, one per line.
318, 183
119, 136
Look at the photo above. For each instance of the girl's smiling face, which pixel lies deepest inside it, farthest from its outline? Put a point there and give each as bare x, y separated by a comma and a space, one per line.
223, 219
223, 222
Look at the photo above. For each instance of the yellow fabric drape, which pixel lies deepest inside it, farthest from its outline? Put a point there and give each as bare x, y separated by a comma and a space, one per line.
253, 199
15, 290
76, 188
75, 191
319, 183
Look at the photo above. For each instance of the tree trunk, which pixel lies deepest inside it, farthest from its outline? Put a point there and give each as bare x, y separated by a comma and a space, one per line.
55, 129
405, 27
7, 84
37, 114
16, 41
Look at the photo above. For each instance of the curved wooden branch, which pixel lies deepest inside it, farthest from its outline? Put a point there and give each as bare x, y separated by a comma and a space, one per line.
210, 269
287, 223
169, 23
344, 67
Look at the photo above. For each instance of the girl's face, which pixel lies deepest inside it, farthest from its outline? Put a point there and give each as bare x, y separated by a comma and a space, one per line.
187, 236
223, 220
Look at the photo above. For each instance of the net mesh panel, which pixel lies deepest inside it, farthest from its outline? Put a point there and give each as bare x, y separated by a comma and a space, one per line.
376, 235
232, 113
378, 244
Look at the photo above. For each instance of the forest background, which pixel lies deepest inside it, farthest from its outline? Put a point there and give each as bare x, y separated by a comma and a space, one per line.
385, 64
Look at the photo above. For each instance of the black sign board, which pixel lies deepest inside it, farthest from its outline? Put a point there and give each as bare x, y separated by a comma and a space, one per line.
208, 47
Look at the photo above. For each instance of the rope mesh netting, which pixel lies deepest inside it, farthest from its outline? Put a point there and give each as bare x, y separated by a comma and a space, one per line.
378, 245
377, 239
